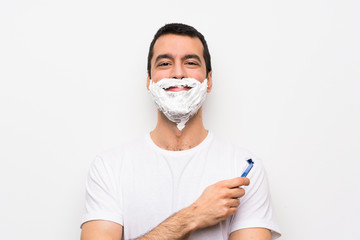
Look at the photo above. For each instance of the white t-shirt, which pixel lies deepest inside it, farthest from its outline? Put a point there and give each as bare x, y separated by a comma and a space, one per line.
139, 185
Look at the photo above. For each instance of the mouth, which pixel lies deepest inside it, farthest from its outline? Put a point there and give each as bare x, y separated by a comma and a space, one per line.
178, 89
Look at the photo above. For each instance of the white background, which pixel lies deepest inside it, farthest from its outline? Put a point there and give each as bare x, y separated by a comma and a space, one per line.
286, 86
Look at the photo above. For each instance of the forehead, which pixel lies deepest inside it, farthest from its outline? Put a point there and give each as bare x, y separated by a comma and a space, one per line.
178, 45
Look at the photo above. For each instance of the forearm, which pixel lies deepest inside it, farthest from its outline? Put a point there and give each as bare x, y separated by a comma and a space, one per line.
177, 227
218, 202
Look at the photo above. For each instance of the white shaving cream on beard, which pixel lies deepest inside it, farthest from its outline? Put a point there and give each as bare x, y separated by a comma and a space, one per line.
179, 106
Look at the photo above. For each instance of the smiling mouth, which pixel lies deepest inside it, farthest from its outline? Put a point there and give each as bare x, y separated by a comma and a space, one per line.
178, 89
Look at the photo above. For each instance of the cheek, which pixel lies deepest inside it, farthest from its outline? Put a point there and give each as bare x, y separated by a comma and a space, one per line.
199, 75
158, 75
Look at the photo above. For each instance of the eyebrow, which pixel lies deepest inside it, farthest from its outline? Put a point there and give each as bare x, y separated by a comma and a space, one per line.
191, 56
162, 56
168, 56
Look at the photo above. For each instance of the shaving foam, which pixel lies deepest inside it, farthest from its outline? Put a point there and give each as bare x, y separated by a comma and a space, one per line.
180, 106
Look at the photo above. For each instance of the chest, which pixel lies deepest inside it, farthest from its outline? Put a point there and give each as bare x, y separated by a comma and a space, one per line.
154, 188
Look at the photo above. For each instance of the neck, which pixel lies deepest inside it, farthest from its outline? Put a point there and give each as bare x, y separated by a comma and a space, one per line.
166, 135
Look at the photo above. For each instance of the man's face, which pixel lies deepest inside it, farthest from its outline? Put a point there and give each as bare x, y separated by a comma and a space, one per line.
177, 56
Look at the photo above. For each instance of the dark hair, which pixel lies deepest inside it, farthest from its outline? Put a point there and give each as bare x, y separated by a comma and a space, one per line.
183, 30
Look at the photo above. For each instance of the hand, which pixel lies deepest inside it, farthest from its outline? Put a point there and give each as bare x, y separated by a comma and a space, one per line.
218, 201
215, 204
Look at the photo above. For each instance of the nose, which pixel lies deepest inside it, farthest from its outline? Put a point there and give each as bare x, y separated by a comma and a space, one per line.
178, 72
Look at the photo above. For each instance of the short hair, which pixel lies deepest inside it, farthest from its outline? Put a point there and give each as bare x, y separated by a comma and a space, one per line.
183, 30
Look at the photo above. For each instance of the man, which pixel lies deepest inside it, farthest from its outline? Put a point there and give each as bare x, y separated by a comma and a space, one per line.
180, 181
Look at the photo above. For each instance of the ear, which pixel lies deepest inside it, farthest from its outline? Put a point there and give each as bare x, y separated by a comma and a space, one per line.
148, 81
209, 79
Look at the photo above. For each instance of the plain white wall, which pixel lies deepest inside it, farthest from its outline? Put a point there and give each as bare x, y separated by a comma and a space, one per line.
286, 86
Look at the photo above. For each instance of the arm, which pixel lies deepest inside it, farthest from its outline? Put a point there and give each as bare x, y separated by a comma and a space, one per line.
217, 202
256, 219
100, 229
251, 233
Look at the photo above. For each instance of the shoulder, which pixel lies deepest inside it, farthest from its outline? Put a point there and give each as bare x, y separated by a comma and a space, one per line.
236, 153
113, 157
227, 146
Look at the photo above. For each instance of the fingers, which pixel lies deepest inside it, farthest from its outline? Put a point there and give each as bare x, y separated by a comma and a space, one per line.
236, 193
236, 182
233, 203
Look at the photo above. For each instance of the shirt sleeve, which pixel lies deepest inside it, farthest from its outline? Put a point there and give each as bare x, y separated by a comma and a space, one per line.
103, 199
255, 208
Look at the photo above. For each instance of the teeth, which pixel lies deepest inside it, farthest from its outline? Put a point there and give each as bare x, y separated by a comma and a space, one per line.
179, 86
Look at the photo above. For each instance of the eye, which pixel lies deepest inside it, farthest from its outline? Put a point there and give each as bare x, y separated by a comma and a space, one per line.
163, 64
193, 63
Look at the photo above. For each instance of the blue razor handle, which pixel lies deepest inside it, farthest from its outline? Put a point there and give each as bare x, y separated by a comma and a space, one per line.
251, 164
